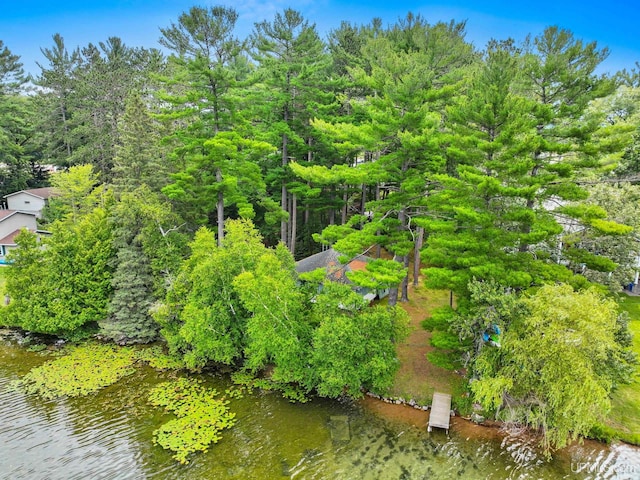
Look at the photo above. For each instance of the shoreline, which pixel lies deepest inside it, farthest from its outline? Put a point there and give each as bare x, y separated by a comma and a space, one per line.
395, 408
417, 416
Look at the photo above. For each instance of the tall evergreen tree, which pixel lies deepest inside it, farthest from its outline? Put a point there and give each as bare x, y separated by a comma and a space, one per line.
129, 317
84, 98
140, 158
218, 159
524, 145
16, 127
56, 101
293, 62
412, 68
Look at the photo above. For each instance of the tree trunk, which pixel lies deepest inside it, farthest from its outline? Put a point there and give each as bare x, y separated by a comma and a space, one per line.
404, 285
65, 128
294, 224
537, 157
345, 198
307, 212
283, 198
378, 246
393, 296
416, 255
402, 220
220, 208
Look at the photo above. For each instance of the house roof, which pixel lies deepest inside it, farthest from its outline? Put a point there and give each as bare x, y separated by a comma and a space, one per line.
42, 193
318, 260
4, 214
329, 259
10, 239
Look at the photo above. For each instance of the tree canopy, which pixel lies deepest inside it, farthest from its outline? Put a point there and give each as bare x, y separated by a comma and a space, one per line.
186, 185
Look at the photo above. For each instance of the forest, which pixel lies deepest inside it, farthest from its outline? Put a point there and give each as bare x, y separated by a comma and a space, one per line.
190, 179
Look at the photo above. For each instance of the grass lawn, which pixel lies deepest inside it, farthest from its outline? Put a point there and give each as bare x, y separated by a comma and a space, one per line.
625, 412
418, 378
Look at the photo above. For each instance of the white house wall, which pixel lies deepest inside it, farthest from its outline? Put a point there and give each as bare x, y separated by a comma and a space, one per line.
16, 222
25, 203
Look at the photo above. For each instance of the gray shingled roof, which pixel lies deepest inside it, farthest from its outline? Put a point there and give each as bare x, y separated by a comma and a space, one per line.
44, 192
318, 260
329, 259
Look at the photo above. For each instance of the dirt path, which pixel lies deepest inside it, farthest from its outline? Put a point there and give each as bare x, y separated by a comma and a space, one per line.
418, 378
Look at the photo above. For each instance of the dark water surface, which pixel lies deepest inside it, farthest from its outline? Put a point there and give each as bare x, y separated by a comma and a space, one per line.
108, 436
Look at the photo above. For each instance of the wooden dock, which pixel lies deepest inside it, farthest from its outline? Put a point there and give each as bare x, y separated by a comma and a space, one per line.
440, 411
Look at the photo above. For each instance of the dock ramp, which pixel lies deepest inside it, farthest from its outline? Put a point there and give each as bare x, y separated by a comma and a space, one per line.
440, 412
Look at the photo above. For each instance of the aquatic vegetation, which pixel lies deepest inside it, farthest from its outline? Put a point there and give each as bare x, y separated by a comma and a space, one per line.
84, 369
159, 360
37, 347
200, 417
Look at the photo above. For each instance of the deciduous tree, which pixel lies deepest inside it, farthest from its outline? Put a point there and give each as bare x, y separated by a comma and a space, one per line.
553, 371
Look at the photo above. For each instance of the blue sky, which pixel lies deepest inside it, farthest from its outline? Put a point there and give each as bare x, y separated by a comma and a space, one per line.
28, 25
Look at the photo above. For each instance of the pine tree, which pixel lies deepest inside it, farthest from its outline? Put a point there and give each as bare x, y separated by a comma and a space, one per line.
56, 101
218, 156
410, 71
128, 318
292, 61
140, 157
85, 96
521, 144
16, 128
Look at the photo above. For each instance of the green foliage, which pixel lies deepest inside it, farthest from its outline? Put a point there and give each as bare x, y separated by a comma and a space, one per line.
557, 364
63, 289
78, 274
517, 143
606, 434
379, 274
239, 302
24, 281
201, 417
604, 250
591, 261
76, 192
603, 433
17, 111
129, 320
83, 369
459, 335
276, 331
139, 158
443, 359
247, 380
146, 218
354, 346
143, 261
203, 317
82, 99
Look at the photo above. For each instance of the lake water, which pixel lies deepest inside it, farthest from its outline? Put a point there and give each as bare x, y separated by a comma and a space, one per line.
108, 436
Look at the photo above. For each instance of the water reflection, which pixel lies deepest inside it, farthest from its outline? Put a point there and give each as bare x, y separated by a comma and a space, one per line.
108, 435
